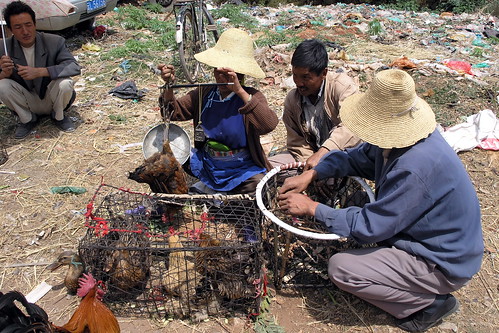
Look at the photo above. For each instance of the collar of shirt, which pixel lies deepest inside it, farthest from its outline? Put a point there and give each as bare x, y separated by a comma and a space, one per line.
305, 100
229, 96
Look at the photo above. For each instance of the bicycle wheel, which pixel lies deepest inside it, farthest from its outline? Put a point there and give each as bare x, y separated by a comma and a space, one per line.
187, 44
209, 37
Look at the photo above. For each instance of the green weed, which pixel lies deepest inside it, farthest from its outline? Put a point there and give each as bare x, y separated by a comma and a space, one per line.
238, 16
117, 118
272, 37
375, 27
477, 52
134, 47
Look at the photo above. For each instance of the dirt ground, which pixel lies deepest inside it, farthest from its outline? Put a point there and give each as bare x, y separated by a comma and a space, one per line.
38, 225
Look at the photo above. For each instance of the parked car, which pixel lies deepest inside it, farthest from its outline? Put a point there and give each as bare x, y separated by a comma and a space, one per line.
83, 16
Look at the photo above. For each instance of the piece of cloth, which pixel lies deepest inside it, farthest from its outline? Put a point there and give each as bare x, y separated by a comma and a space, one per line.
50, 52
258, 118
127, 90
391, 279
479, 130
25, 103
425, 203
301, 143
222, 122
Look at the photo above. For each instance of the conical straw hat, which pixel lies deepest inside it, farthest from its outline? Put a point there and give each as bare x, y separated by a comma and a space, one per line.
389, 114
234, 49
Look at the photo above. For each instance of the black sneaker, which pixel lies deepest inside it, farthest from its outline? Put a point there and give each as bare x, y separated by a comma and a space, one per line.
65, 124
443, 306
22, 130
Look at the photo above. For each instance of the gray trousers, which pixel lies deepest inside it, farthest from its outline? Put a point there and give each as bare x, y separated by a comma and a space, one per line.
280, 159
24, 102
391, 279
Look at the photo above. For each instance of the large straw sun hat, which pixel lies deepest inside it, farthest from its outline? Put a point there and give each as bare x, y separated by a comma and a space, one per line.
234, 49
389, 114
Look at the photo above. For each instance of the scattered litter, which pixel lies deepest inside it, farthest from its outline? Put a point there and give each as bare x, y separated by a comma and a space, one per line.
129, 145
41, 290
91, 47
125, 66
478, 128
403, 63
459, 66
67, 189
127, 90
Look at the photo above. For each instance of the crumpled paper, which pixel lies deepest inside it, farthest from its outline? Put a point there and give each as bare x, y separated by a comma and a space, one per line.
480, 130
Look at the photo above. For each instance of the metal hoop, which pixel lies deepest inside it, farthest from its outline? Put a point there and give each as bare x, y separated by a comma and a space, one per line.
279, 222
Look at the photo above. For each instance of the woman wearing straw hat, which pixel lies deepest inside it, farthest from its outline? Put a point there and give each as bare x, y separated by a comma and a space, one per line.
229, 119
426, 217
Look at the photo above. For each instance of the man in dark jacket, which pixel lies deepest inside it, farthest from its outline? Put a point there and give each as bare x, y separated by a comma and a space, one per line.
426, 216
35, 72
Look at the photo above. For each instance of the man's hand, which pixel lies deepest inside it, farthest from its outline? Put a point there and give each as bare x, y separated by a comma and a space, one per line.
313, 160
167, 73
7, 66
298, 184
31, 73
297, 204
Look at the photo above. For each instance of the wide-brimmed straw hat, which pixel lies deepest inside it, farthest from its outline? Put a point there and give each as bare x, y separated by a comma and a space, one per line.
234, 49
389, 114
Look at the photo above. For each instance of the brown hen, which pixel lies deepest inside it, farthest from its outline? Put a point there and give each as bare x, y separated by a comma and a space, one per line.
128, 269
162, 172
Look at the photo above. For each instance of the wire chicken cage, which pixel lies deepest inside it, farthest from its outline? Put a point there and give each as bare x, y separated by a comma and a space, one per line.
175, 256
299, 248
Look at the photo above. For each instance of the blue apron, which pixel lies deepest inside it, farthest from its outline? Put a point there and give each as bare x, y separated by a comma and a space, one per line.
222, 122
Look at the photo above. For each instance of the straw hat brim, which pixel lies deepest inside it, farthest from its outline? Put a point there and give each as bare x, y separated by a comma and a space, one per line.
362, 117
244, 65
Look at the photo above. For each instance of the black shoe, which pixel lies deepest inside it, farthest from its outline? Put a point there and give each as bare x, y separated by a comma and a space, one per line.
65, 124
443, 306
22, 130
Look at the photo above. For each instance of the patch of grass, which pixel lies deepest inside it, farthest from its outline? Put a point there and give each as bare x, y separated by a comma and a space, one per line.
154, 7
238, 15
117, 118
477, 52
284, 18
493, 40
453, 100
136, 18
375, 27
140, 45
132, 18
272, 37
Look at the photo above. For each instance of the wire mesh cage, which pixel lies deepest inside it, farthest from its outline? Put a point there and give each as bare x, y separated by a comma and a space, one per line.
300, 247
174, 256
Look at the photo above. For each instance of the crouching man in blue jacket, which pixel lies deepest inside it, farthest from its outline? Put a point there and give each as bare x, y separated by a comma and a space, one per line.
426, 216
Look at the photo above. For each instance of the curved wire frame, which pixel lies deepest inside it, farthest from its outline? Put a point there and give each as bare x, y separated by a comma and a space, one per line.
337, 193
